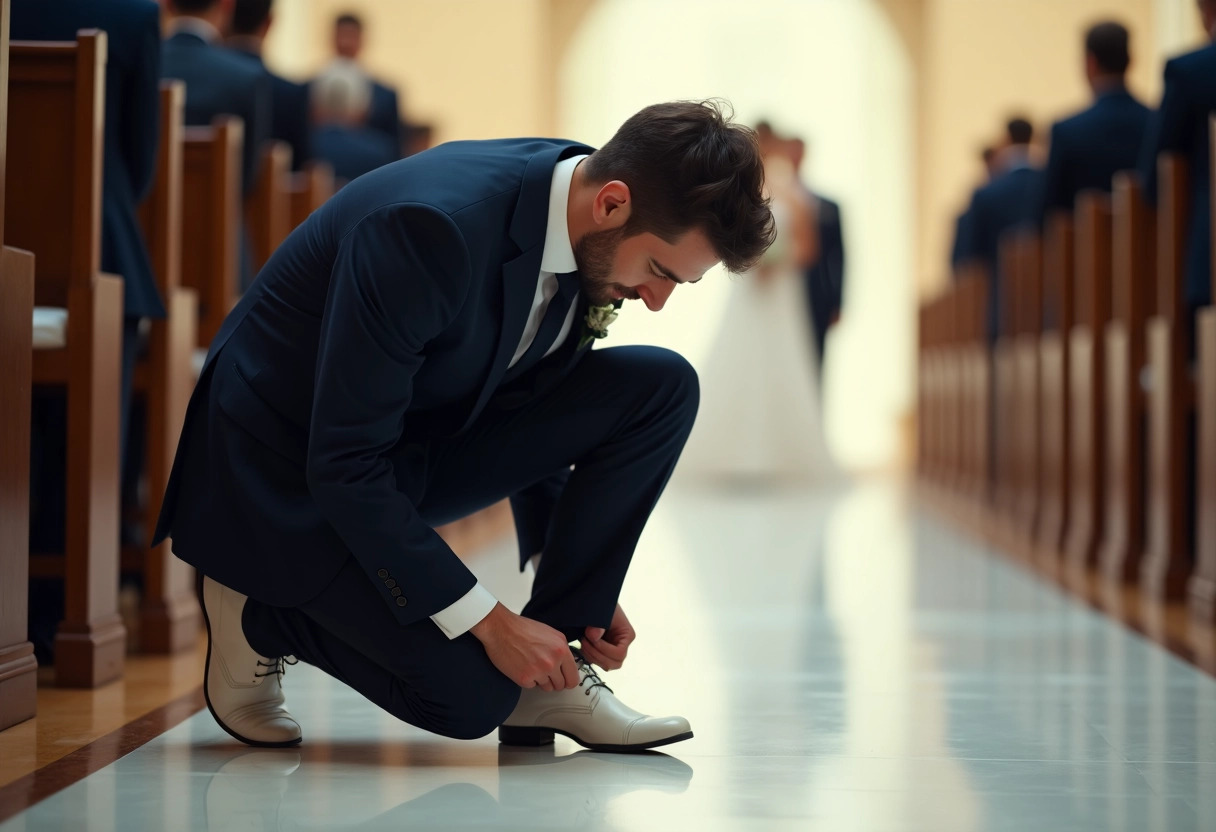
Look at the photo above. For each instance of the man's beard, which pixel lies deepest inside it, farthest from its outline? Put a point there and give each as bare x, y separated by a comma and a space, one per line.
593, 255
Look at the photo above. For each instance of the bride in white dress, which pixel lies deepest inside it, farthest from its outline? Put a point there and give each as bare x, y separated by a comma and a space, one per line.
760, 421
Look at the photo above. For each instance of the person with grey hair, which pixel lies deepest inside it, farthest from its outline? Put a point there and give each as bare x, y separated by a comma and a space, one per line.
341, 101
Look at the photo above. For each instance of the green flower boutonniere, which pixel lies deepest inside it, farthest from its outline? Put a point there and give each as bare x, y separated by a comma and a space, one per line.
595, 325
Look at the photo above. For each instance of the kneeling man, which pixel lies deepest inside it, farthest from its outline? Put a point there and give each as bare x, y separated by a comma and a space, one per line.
418, 350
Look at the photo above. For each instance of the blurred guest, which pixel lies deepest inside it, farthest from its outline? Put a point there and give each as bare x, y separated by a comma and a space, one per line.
218, 82
961, 223
824, 276
1181, 125
132, 133
341, 96
1091, 146
1010, 200
251, 20
384, 111
759, 422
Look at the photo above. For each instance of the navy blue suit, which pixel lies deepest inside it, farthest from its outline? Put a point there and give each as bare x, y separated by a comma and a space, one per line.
353, 151
1181, 125
289, 121
1089, 148
825, 277
1009, 201
355, 399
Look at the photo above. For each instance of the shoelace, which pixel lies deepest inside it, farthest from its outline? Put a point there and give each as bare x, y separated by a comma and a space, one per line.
588, 674
275, 667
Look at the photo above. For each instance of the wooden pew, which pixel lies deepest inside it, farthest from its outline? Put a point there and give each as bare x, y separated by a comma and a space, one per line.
1054, 376
169, 612
1202, 588
1087, 442
951, 384
309, 190
1005, 395
1133, 249
1029, 305
18, 700
211, 217
977, 380
53, 193
268, 206
1166, 561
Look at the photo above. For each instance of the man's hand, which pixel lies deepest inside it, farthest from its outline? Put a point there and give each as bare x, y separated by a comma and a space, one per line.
527, 652
608, 649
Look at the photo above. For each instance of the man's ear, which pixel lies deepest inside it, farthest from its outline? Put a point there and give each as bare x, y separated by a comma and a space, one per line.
612, 205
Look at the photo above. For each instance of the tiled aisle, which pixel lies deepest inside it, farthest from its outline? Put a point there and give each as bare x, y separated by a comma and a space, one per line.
847, 664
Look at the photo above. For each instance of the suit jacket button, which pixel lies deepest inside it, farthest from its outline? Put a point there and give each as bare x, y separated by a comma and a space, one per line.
383, 573
400, 602
396, 591
390, 583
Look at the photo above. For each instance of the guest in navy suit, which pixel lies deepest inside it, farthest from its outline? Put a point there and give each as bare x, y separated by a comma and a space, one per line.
218, 82
962, 222
417, 350
1088, 148
132, 132
384, 111
1011, 200
825, 276
341, 135
1181, 125
251, 20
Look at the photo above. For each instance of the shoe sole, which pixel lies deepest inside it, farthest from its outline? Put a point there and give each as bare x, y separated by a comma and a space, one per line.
535, 736
207, 696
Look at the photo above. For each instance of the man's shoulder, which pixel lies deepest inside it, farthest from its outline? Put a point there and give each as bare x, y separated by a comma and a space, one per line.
1198, 65
211, 63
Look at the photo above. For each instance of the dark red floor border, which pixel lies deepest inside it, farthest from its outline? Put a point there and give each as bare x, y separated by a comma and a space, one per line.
21, 794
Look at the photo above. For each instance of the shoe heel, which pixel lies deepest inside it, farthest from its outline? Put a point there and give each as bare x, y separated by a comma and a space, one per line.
524, 735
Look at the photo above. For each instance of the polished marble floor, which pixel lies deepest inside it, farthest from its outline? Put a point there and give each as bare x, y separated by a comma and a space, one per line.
848, 663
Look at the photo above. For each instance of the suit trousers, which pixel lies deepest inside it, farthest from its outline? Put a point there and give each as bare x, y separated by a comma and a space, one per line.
620, 418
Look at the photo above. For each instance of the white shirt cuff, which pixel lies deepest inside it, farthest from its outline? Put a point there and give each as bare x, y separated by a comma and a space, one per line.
462, 616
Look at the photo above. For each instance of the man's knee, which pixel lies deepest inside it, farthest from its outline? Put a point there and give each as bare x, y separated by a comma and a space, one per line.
483, 709
673, 382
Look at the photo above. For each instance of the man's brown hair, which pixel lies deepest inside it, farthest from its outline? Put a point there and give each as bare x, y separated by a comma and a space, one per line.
689, 167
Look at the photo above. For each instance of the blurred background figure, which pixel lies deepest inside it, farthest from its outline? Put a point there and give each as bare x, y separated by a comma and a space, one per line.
824, 275
384, 110
1088, 148
251, 21
342, 135
1011, 200
760, 422
962, 223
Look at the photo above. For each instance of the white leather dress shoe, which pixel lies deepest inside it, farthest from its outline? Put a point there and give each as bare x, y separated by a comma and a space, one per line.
589, 714
244, 690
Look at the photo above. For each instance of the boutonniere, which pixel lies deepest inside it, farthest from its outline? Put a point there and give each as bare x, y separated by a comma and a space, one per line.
598, 319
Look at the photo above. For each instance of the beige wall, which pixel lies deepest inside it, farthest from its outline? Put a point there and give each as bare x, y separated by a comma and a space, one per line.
475, 68
984, 59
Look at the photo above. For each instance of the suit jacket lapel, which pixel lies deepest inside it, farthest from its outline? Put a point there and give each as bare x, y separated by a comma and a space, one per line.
527, 231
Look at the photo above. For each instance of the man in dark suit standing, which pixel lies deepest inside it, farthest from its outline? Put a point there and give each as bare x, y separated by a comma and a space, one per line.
962, 221
824, 277
418, 350
384, 111
218, 82
1010, 200
132, 133
1088, 148
251, 20
1181, 125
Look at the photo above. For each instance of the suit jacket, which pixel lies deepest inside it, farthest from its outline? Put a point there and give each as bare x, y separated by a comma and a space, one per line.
958, 248
1181, 125
353, 151
1011, 200
1090, 147
132, 130
386, 319
384, 114
825, 277
289, 110
221, 82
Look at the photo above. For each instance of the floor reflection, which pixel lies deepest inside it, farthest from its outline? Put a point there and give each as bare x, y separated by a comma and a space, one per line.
847, 663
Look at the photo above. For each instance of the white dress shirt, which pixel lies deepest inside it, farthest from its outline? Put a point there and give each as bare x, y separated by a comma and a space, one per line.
557, 258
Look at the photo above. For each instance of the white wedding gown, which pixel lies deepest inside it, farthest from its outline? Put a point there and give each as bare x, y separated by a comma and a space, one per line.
760, 420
